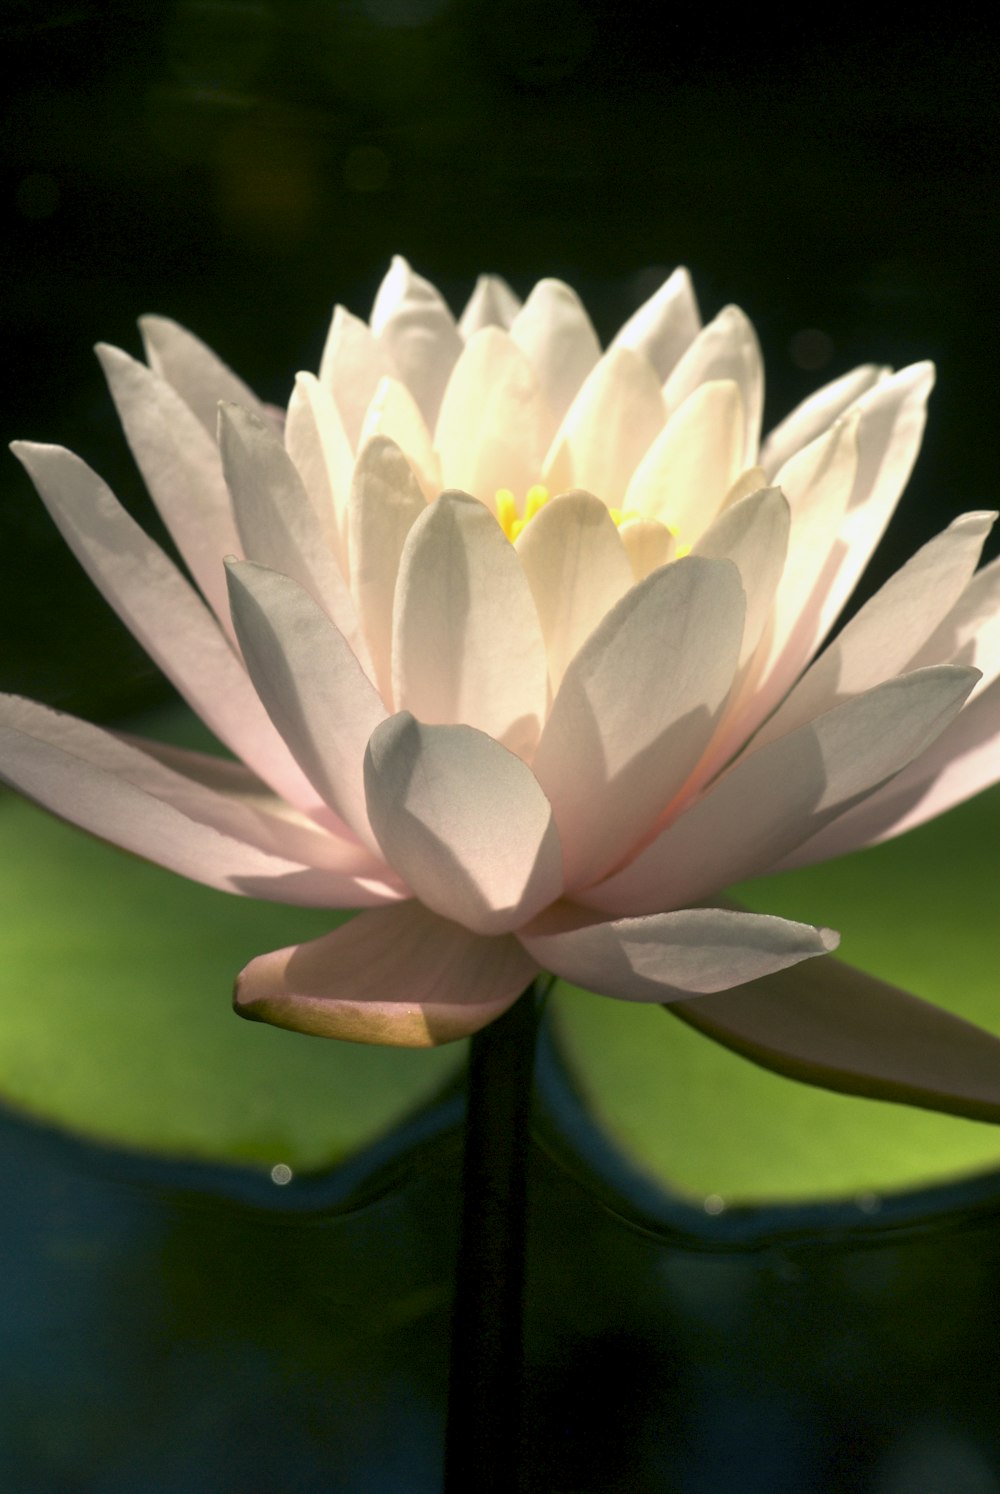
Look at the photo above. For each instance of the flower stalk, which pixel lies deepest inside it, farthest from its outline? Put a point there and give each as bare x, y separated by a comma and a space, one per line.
484, 1443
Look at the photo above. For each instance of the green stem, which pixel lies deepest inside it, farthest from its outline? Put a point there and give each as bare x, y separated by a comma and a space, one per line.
483, 1443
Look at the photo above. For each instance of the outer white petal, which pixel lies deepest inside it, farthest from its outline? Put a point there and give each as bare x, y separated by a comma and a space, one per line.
385, 503
119, 794
556, 335
882, 639
665, 326
277, 523
400, 976
314, 689
163, 611
464, 822
816, 414
467, 643
495, 426
317, 443
670, 956
394, 413
726, 349
840, 1028
577, 569
181, 467
608, 428
199, 376
411, 320
685, 476
353, 365
492, 304
753, 534
636, 707
970, 633
775, 799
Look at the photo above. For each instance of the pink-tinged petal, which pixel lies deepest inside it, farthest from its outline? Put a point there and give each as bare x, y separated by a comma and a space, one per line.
116, 792
495, 425
839, 1028
814, 415
665, 326
882, 638
199, 375
385, 503
753, 534
492, 304
775, 799
669, 956
317, 444
608, 428
963, 761
685, 476
411, 320
397, 976
277, 523
557, 337
970, 633
577, 569
180, 465
464, 822
309, 678
393, 414
353, 365
636, 707
467, 643
648, 545
163, 611
727, 349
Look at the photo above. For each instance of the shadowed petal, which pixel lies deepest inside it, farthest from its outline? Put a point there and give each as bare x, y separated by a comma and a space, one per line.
492, 304
400, 976
317, 444
831, 1025
816, 414
394, 414
753, 534
464, 822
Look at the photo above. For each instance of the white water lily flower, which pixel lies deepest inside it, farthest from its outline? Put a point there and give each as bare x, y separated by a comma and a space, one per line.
520, 659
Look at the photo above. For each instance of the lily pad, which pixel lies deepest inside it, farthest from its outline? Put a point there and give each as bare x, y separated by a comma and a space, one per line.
115, 1016
920, 912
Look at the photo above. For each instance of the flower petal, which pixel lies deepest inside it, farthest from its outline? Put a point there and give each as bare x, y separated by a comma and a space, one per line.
814, 415
399, 976
607, 429
753, 534
163, 611
577, 569
669, 956
495, 426
648, 545
116, 792
726, 349
665, 326
277, 523
492, 304
636, 707
385, 503
311, 683
181, 467
882, 638
394, 414
199, 375
411, 320
467, 644
317, 444
557, 336
686, 474
831, 1025
970, 632
353, 365
775, 799
464, 822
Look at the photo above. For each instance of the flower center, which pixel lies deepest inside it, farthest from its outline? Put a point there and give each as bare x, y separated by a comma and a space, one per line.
512, 520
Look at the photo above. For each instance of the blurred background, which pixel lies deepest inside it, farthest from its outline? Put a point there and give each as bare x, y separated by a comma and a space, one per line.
240, 166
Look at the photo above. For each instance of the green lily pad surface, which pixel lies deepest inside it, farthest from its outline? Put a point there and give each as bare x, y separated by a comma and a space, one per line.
919, 911
115, 1016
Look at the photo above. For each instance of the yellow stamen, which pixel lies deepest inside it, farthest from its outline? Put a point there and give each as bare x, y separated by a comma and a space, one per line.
511, 522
